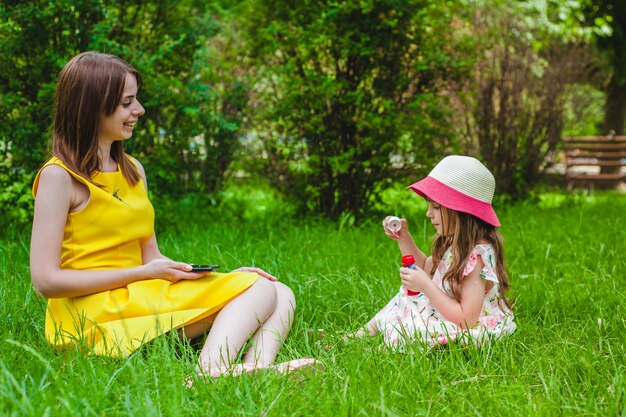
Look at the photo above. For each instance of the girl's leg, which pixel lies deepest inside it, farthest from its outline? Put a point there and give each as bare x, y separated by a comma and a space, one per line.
268, 339
235, 323
370, 329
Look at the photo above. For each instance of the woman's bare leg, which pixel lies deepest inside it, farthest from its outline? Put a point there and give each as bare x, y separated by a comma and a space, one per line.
197, 329
270, 336
235, 323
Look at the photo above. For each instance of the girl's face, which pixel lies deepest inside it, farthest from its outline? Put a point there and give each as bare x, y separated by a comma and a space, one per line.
440, 218
120, 124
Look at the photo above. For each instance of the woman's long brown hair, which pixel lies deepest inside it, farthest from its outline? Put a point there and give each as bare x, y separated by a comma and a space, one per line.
468, 232
91, 85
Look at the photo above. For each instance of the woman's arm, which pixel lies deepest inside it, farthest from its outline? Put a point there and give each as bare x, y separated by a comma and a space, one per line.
150, 250
55, 198
465, 313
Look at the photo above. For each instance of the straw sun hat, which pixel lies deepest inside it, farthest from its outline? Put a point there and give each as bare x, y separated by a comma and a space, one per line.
461, 183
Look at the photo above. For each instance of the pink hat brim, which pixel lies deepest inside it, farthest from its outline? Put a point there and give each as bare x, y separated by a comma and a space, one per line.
452, 199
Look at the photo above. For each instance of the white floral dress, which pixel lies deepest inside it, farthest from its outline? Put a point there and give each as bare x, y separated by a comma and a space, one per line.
407, 319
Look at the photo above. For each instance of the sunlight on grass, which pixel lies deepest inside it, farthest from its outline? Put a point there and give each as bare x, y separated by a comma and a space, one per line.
580, 197
254, 201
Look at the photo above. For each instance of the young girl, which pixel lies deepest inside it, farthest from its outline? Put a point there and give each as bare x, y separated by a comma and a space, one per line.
462, 285
94, 253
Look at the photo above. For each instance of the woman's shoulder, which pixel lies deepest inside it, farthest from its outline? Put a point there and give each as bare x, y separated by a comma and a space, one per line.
137, 164
52, 174
55, 173
132, 159
55, 168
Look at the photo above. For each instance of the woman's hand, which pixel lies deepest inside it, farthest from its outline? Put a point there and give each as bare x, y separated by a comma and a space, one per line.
414, 279
163, 268
400, 234
259, 271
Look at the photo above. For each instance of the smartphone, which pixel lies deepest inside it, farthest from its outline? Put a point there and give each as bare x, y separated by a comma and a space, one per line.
203, 268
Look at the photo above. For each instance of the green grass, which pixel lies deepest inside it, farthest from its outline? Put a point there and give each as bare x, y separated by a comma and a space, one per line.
567, 266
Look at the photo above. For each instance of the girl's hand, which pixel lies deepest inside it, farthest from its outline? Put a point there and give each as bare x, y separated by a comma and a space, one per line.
172, 271
259, 271
400, 234
414, 279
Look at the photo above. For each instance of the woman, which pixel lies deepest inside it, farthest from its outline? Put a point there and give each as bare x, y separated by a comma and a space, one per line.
94, 253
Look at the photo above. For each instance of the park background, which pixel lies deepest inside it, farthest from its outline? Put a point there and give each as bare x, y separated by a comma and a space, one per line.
279, 134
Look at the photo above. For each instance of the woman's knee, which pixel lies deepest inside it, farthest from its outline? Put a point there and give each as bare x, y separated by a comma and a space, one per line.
285, 295
265, 291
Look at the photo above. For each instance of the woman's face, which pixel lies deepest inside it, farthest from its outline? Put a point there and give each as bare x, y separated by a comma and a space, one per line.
120, 124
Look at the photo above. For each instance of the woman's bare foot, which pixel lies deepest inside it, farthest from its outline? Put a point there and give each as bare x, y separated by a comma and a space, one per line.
301, 364
234, 370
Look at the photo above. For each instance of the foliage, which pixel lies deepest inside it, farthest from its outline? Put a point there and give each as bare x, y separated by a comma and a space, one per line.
35, 39
612, 44
529, 57
193, 108
15, 197
349, 94
584, 113
331, 101
193, 104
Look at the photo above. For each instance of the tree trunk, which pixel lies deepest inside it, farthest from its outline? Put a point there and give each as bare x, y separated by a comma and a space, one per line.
615, 109
614, 115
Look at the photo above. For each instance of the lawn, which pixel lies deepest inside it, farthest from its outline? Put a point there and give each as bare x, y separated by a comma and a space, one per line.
567, 268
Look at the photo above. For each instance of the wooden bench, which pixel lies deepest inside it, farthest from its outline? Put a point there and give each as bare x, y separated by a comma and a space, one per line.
595, 161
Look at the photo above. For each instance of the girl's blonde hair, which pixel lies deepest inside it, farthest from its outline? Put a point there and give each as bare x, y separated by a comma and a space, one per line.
468, 232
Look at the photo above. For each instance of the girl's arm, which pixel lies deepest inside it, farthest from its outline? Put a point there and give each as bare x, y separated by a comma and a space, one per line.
406, 244
408, 247
465, 313
54, 200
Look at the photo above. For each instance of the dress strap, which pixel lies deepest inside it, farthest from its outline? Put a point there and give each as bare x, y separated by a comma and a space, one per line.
56, 161
488, 272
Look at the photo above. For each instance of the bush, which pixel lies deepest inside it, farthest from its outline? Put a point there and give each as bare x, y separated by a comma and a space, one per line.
529, 57
349, 95
185, 140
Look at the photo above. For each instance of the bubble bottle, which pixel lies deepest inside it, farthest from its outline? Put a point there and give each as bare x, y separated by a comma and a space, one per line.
408, 261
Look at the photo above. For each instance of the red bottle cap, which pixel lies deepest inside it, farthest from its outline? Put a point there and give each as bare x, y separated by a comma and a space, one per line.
408, 260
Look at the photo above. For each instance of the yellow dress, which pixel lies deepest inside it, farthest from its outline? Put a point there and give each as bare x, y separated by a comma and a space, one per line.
108, 233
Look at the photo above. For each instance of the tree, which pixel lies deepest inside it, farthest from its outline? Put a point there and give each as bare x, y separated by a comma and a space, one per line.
35, 39
349, 94
193, 110
614, 48
193, 107
529, 54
